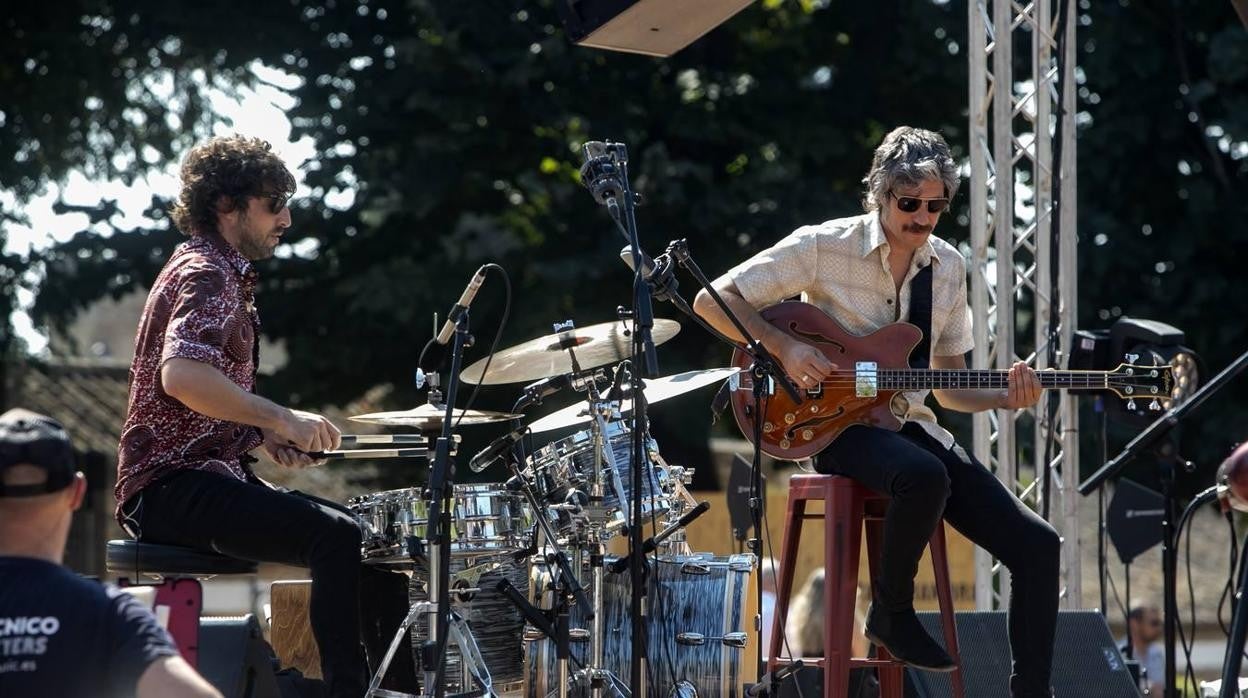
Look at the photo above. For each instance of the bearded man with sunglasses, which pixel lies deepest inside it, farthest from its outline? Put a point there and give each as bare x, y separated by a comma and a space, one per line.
184, 472
862, 271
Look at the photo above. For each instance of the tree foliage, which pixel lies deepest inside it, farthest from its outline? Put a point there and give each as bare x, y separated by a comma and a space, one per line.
453, 129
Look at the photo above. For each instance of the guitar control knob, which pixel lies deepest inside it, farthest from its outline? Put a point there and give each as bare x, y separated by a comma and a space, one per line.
768, 427
784, 443
790, 418
808, 434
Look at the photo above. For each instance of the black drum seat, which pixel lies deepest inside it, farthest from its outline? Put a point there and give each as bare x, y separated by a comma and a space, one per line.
160, 560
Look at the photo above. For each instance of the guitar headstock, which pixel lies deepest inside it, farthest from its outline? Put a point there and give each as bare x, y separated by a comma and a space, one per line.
1132, 382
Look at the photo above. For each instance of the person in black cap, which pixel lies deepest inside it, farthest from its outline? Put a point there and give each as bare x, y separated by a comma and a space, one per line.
61, 634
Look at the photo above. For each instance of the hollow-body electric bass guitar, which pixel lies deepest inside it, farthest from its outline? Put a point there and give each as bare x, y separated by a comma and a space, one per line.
871, 369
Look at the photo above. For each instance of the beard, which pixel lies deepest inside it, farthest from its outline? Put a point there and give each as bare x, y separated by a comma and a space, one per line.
254, 244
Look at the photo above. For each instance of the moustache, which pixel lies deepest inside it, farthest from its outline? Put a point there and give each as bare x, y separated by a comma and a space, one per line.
917, 228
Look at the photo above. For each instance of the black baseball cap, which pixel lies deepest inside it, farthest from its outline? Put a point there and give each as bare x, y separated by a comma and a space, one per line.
29, 438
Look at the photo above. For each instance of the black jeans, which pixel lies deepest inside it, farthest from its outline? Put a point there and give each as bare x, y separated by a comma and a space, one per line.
251, 521
925, 481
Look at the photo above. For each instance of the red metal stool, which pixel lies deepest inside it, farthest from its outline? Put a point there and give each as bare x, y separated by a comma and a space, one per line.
848, 506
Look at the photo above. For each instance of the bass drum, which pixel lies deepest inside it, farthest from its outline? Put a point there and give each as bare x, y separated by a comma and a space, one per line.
689, 597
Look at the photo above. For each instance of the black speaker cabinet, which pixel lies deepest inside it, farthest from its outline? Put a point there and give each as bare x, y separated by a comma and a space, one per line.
650, 27
234, 657
1086, 660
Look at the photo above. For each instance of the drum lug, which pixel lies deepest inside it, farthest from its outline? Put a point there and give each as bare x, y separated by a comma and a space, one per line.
694, 568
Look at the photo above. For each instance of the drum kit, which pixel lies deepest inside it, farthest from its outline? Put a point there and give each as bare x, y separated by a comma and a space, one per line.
538, 606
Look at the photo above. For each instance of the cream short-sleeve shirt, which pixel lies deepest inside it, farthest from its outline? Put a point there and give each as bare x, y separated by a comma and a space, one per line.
841, 267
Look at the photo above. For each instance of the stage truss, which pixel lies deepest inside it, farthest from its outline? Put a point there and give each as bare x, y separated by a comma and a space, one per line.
1016, 278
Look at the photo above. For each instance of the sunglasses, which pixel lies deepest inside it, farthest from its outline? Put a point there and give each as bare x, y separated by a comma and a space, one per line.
277, 200
910, 204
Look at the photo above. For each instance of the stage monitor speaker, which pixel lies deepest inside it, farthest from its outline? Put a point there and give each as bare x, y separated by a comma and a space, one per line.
234, 657
650, 27
1086, 660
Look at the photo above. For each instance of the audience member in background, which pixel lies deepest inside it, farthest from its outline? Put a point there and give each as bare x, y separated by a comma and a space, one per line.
1143, 632
60, 634
804, 633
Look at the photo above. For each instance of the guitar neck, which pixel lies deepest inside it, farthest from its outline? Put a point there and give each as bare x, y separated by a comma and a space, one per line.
965, 379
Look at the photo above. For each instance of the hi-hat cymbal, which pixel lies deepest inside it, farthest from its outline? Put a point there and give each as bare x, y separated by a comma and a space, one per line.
657, 390
428, 417
593, 346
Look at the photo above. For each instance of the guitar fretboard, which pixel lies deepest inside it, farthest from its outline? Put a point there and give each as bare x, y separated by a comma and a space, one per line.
964, 379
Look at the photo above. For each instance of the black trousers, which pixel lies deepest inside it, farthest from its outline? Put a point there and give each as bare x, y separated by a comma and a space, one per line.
251, 521
927, 481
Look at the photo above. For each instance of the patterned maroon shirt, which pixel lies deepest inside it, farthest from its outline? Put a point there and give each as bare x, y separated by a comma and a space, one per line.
201, 308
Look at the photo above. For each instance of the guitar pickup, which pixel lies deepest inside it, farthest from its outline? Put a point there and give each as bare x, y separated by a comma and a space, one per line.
866, 379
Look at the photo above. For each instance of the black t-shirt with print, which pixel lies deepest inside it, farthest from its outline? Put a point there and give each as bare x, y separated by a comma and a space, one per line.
64, 635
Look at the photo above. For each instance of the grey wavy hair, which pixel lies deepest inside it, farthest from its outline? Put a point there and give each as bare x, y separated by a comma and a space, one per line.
907, 157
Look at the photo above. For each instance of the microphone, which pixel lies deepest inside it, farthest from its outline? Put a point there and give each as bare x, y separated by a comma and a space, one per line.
465, 300
491, 453
534, 393
600, 175
653, 542
657, 273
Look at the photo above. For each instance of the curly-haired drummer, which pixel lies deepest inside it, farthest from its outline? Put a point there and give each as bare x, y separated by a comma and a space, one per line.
184, 474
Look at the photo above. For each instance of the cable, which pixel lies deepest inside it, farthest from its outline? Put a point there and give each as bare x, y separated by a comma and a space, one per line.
1199, 500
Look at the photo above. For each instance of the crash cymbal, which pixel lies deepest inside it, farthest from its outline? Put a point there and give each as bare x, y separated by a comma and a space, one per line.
657, 390
429, 416
593, 346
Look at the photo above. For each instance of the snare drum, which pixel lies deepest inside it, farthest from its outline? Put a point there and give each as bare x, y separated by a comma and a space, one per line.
569, 464
486, 519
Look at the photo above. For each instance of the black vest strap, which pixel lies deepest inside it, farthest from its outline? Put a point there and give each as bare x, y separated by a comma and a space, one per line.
921, 315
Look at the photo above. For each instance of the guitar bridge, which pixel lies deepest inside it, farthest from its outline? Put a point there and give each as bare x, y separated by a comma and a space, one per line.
866, 379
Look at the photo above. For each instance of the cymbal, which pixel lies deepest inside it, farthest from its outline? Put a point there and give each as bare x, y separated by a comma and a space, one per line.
593, 346
657, 390
429, 416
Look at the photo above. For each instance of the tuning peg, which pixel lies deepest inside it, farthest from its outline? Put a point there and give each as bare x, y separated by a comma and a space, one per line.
1155, 405
1131, 358
1131, 405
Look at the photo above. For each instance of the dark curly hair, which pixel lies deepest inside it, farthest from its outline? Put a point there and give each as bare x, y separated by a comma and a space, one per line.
233, 167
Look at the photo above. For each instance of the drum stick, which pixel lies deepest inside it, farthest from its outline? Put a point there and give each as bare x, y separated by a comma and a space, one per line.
361, 439
371, 453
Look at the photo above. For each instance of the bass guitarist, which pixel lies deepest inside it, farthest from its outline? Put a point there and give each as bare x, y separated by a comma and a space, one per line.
866, 272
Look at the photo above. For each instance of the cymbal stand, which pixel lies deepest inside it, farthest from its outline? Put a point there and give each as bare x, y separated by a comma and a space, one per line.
568, 589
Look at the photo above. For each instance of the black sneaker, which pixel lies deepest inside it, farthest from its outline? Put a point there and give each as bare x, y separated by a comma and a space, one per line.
903, 636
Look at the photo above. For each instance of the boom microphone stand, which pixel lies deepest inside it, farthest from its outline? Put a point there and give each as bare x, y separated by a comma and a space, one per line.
433, 650
1153, 439
766, 373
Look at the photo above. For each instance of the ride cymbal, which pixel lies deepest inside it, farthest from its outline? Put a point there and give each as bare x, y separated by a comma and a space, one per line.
552, 355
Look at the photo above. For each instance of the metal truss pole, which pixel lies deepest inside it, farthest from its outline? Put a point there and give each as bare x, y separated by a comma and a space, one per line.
1013, 127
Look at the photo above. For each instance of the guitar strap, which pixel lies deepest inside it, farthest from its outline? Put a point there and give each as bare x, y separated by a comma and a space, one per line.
921, 315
